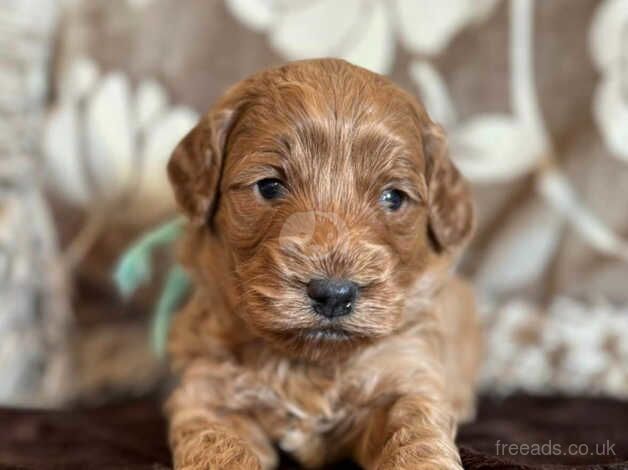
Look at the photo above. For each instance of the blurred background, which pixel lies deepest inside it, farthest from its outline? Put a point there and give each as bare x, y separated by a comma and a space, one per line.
94, 94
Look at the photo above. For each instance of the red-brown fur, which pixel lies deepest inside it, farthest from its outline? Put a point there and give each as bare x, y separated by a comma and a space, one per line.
253, 374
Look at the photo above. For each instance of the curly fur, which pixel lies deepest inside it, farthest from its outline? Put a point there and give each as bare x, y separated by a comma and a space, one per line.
258, 368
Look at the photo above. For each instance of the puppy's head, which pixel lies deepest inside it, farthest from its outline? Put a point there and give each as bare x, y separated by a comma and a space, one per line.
328, 192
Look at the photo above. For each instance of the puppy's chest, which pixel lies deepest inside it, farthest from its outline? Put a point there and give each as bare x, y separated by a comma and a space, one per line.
306, 431
305, 410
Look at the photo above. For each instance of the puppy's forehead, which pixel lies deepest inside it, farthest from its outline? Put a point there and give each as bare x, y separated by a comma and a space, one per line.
328, 110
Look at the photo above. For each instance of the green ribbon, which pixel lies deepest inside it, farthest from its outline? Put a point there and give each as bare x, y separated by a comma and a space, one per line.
175, 290
135, 269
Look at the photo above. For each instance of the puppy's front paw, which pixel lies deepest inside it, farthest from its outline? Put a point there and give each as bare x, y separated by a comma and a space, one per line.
413, 458
216, 451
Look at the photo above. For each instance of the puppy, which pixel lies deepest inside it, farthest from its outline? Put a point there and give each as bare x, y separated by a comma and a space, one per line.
325, 216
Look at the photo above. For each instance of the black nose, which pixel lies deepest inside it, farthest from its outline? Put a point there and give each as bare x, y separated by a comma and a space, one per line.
332, 297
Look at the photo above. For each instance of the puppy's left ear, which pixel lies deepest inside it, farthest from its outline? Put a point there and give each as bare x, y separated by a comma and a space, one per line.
195, 166
451, 211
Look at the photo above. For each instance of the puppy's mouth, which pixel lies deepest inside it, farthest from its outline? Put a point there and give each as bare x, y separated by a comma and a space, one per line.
328, 334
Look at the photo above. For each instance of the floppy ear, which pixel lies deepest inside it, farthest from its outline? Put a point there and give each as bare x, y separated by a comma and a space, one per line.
195, 166
451, 212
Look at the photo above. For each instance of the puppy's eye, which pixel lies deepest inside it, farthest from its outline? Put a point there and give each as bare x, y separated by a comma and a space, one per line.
392, 199
270, 188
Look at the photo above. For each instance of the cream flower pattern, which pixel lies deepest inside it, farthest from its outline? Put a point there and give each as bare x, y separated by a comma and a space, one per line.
609, 49
570, 347
361, 31
487, 147
106, 144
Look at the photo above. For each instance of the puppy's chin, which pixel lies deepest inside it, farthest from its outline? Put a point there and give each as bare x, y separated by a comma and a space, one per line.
303, 335
329, 343
327, 334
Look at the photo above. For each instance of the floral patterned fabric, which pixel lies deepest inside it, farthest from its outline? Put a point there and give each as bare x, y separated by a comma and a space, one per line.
35, 315
533, 95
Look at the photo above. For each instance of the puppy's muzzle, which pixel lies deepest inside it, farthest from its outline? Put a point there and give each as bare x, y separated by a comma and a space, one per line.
332, 298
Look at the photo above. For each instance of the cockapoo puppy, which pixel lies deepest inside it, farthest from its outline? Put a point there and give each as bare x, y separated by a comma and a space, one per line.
325, 217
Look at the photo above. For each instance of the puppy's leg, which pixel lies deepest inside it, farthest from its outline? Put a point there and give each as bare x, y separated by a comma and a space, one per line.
414, 433
203, 437
464, 346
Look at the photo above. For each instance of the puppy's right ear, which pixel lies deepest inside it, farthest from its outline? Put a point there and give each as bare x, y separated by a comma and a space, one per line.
195, 166
449, 196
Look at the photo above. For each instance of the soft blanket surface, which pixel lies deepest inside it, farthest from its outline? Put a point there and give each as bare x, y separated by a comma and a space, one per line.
508, 434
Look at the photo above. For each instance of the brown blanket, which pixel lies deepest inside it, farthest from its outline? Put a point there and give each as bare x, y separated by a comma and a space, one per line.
508, 434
